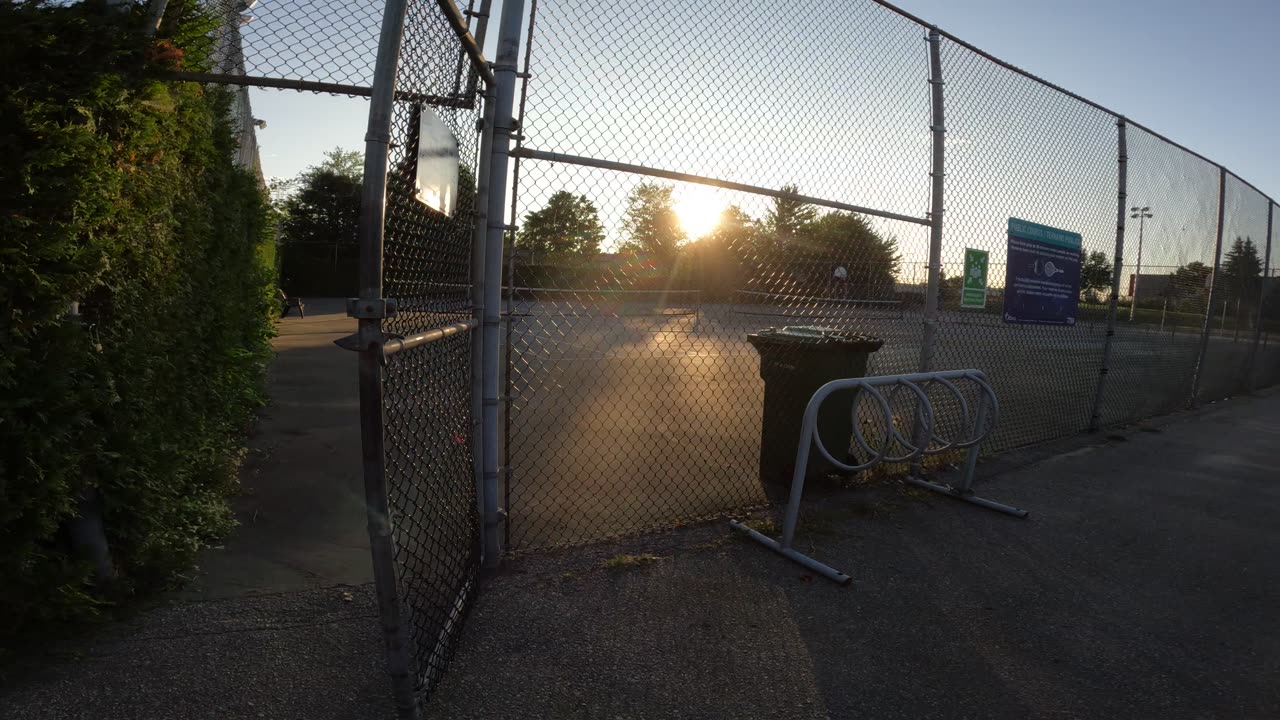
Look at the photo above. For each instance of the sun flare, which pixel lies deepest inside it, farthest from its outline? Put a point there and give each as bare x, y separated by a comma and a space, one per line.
699, 211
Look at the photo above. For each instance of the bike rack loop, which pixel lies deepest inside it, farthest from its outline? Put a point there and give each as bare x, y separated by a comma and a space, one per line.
984, 422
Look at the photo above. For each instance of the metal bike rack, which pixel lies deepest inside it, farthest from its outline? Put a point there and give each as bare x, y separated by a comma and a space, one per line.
924, 442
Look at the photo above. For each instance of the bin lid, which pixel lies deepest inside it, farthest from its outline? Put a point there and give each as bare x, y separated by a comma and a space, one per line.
812, 335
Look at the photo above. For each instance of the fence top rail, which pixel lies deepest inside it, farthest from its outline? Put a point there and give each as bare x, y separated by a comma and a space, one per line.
532, 154
1036, 78
599, 291
459, 25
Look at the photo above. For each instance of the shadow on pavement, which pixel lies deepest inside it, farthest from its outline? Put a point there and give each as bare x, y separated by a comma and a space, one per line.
1141, 587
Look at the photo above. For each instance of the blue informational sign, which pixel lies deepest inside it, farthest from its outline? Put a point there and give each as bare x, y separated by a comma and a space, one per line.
1042, 278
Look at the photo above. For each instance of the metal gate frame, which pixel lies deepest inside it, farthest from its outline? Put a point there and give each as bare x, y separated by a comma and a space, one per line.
413, 673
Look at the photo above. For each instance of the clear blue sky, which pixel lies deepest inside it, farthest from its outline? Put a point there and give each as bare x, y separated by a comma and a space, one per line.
1201, 73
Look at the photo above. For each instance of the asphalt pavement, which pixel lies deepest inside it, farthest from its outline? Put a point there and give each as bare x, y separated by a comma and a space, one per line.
1144, 585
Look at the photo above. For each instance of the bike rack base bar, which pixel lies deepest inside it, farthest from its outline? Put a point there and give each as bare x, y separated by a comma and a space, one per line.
988, 410
968, 497
824, 570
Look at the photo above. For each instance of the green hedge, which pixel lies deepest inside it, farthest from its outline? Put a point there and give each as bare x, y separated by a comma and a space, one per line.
119, 192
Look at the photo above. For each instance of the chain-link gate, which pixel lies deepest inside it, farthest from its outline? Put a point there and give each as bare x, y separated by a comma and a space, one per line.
421, 243
316, 45
419, 336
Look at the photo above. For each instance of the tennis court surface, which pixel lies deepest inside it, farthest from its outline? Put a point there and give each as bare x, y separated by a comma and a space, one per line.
634, 410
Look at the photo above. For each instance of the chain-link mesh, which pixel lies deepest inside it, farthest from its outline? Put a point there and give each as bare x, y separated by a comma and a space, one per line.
326, 44
427, 390
1164, 288
635, 389
1236, 293
636, 394
1266, 365
1019, 149
737, 91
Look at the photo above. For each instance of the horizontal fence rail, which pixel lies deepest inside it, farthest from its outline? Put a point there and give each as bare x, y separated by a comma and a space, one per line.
711, 182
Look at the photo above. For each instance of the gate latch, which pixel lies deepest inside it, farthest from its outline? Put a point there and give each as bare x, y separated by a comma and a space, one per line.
366, 309
368, 335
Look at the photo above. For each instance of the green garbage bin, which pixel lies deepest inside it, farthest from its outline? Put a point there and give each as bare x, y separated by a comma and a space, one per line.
794, 363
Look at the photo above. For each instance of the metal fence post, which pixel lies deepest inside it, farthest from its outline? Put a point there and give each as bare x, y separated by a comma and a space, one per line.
508, 391
502, 128
1262, 288
1213, 289
478, 252
370, 310
481, 215
937, 173
1095, 419
938, 130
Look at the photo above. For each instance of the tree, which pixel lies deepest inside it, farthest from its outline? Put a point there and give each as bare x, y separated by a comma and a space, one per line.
1241, 270
651, 223
737, 233
719, 260
567, 225
846, 240
1095, 272
347, 163
788, 217
319, 213
322, 204
1190, 283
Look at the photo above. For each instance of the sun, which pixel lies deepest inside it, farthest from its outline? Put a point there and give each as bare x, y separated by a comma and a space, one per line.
699, 211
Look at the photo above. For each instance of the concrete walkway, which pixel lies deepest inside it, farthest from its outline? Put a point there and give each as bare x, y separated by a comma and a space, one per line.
278, 622
1145, 585
301, 511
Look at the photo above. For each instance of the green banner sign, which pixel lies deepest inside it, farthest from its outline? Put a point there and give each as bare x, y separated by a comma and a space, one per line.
973, 291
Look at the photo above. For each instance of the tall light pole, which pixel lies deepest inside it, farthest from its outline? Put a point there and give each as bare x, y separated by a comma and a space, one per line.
1141, 213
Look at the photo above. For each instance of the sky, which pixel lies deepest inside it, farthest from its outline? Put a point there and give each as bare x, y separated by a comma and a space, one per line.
634, 90
1199, 73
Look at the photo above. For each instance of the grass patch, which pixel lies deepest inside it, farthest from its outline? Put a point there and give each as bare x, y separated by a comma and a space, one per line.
765, 526
623, 562
719, 542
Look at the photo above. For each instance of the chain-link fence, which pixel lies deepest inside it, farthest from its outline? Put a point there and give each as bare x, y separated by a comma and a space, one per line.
675, 198
1018, 148
1164, 288
1236, 293
635, 392
676, 195
318, 45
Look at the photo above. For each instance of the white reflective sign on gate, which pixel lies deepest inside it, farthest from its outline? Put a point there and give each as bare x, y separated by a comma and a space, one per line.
436, 179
